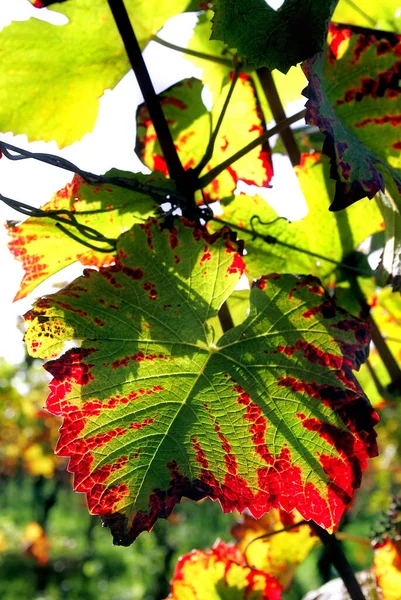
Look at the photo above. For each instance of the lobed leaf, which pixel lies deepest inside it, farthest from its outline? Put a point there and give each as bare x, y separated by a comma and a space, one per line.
276, 39
354, 98
56, 74
191, 126
337, 235
220, 573
44, 249
155, 408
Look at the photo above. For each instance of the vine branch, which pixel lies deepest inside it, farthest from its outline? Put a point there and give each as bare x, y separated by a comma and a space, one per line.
339, 561
213, 173
273, 98
134, 53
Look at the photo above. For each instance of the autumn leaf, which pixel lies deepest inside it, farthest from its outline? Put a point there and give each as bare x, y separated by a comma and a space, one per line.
191, 126
220, 573
354, 98
44, 249
35, 543
56, 73
337, 235
387, 565
266, 36
155, 408
280, 554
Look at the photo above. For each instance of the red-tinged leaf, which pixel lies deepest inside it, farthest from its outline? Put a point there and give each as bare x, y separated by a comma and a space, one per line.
155, 408
278, 554
44, 249
387, 565
191, 126
221, 572
354, 98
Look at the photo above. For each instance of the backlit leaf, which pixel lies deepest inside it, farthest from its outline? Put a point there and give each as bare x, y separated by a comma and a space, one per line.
387, 564
335, 236
191, 126
354, 98
277, 39
280, 554
56, 74
383, 15
44, 249
155, 408
220, 573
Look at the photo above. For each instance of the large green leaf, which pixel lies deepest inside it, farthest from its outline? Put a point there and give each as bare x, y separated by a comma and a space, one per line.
382, 15
44, 249
155, 408
274, 39
332, 235
191, 126
55, 75
354, 98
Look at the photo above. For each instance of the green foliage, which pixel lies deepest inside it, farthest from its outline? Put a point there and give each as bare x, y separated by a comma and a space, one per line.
56, 74
251, 25
353, 95
180, 385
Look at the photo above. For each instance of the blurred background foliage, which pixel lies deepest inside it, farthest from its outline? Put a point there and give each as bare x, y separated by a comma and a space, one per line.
52, 549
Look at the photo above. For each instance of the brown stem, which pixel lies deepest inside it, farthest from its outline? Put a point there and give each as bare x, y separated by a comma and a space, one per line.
202, 55
338, 559
134, 53
273, 98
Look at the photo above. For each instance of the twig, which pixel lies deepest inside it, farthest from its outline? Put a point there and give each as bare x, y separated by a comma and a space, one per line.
202, 55
339, 560
210, 147
134, 53
213, 173
124, 182
286, 134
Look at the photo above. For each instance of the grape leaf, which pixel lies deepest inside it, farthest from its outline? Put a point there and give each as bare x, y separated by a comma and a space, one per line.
44, 249
56, 74
387, 564
277, 39
191, 126
354, 98
215, 75
219, 573
337, 235
376, 14
155, 408
279, 555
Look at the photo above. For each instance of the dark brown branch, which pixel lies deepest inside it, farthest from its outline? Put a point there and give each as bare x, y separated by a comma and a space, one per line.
134, 53
339, 561
286, 134
213, 173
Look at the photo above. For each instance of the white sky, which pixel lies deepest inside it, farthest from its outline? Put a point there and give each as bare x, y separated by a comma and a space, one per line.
34, 183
